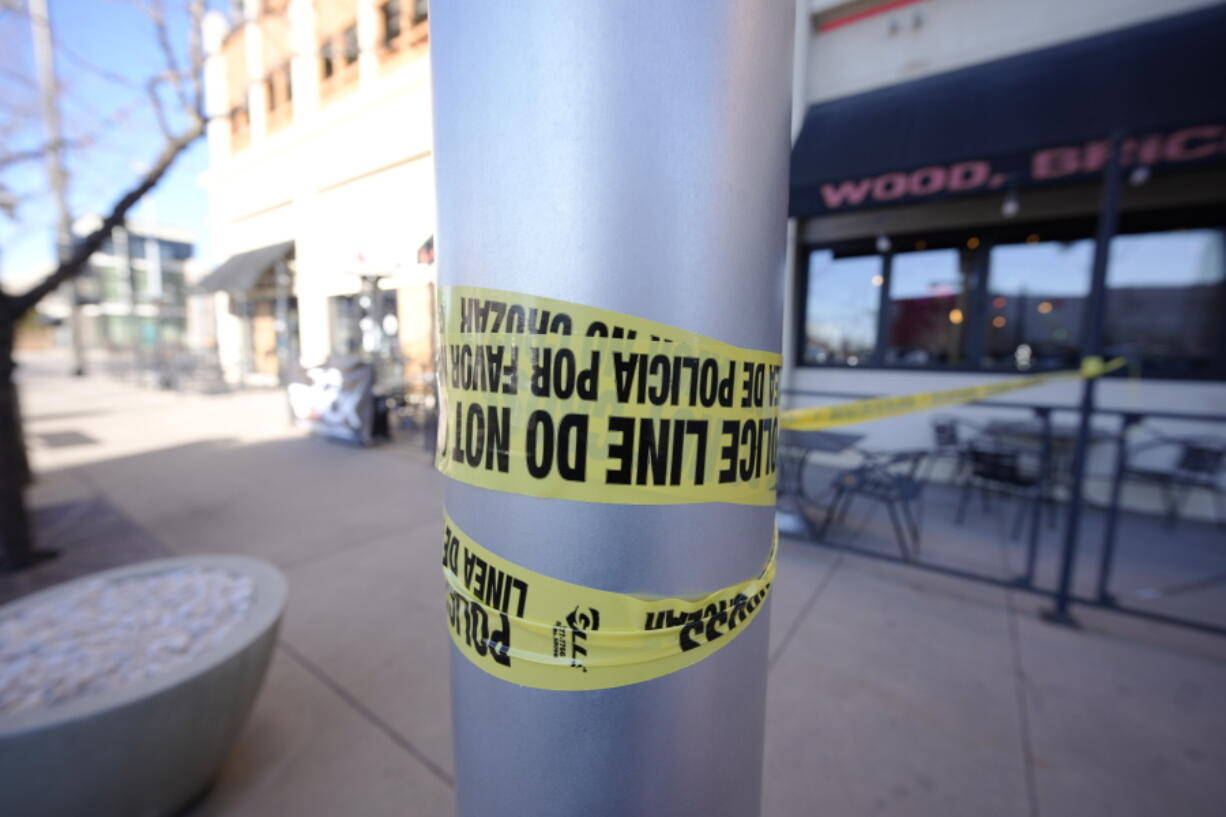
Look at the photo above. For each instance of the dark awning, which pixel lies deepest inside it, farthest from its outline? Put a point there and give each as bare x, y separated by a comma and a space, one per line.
1035, 118
241, 272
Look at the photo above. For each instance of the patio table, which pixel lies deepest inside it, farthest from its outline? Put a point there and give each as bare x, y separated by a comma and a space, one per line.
795, 448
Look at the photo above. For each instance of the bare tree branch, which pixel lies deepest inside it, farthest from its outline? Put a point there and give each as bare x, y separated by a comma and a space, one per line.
195, 53
156, 12
176, 143
73, 265
159, 111
94, 68
18, 78
36, 154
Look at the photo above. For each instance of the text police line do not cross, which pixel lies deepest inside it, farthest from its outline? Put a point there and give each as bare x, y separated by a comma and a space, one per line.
551, 398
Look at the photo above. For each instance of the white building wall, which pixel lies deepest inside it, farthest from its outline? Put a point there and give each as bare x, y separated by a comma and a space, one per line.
350, 181
931, 36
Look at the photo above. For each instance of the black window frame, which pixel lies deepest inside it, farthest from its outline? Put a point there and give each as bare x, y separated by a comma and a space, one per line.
350, 46
974, 338
391, 13
327, 60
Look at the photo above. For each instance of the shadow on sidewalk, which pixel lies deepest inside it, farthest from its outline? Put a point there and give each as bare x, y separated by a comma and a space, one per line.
89, 534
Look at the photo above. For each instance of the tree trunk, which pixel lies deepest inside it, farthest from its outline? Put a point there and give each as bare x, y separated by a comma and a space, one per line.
16, 533
17, 548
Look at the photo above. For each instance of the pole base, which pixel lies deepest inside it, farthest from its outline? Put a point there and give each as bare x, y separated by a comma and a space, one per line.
1060, 617
29, 560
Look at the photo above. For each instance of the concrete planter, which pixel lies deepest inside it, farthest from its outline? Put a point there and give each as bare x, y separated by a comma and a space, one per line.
146, 749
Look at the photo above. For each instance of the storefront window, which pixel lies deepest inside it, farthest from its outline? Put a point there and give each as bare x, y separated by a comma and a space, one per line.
111, 283
346, 335
1035, 302
173, 289
1166, 293
841, 308
928, 308
174, 251
365, 324
1165, 301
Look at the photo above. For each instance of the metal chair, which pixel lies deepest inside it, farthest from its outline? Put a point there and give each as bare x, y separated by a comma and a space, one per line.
893, 480
950, 444
1198, 465
996, 468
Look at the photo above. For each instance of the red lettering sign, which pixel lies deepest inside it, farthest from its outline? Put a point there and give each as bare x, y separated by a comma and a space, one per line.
969, 175
1062, 161
1193, 143
846, 193
890, 186
926, 181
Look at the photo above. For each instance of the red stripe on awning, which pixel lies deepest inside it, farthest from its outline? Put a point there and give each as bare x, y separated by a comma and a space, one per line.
846, 20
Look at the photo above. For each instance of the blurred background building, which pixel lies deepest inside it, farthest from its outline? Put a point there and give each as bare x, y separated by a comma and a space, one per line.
947, 182
320, 186
135, 293
946, 186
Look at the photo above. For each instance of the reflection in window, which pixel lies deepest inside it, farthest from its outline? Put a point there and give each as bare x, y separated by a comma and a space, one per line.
350, 40
112, 284
1165, 301
391, 22
841, 308
1035, 302
172, 287
346, 334
327, 64
175, 250
928, 307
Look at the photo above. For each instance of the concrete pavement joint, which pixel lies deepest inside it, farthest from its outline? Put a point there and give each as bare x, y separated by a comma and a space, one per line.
363, 710
1019, 692
804, 612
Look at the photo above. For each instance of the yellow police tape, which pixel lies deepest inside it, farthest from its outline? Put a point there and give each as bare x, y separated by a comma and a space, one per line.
553, 399
549, 398
861, 411
536, 631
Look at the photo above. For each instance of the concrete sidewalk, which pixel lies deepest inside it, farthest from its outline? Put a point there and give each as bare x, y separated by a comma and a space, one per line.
892, 691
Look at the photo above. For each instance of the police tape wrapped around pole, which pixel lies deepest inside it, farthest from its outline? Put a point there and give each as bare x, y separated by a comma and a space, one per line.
612, 190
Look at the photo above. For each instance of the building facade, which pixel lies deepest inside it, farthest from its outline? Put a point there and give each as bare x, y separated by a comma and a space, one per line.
323, 151
947, 188
135, 291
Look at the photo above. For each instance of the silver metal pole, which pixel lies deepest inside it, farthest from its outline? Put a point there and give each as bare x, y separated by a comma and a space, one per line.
49, 88
282, 281
630, 156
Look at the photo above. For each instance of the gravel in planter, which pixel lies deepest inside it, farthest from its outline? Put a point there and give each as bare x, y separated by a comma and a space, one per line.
110, 633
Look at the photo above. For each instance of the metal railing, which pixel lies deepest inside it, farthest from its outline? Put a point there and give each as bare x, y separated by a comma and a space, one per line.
1063, 595
171, 369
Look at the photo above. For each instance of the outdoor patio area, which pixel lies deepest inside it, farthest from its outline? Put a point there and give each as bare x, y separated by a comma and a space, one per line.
1177, 572
892, 690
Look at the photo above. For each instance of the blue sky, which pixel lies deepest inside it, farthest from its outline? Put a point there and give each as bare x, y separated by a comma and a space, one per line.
106, 50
